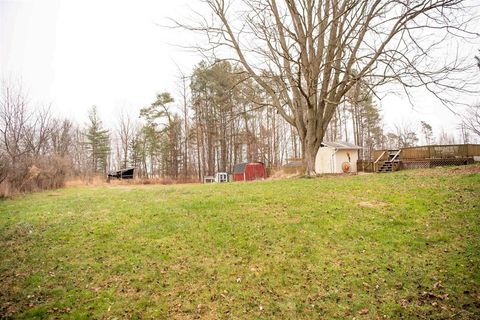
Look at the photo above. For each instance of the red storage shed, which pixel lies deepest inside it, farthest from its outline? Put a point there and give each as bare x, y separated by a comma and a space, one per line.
249, 171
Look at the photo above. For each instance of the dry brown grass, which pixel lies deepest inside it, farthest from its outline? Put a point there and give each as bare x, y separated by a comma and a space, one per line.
286, 172
30, 176
468, 169
282, 174
102, 181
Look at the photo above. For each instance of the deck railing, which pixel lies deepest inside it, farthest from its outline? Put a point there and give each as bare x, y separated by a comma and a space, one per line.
380, 157
436, 152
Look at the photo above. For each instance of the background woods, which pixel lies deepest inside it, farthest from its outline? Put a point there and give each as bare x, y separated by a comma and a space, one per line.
281, 79
309, 57
221, 117
35, 146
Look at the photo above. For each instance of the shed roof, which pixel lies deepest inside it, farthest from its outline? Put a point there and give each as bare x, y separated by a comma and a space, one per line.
240, 167
340, 145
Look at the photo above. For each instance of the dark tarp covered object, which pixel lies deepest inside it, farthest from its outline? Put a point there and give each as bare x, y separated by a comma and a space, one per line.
122, 174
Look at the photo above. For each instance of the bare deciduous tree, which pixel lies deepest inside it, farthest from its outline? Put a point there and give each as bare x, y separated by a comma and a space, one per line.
14, 122
407, 136
34, 146
308, 54
471, 120
124, 132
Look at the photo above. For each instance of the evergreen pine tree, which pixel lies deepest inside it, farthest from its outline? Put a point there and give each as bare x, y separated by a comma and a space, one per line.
98, 142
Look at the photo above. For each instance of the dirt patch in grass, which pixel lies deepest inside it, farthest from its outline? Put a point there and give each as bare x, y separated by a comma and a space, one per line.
445, 171
466, 169
372, 204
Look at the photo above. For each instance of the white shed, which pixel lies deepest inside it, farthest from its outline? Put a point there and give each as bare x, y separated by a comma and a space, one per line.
337, 157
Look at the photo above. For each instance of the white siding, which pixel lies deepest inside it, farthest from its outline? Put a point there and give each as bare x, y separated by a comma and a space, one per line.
329, 161
323, 161
342, 156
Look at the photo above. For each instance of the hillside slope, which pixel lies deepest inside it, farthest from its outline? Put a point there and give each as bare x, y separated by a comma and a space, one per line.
394, 245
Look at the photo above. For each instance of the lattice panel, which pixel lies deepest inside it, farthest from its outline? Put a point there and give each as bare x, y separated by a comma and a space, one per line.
429, 163
415, 164
450, 162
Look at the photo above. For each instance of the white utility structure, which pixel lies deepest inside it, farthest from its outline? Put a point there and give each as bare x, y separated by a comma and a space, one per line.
208, 179
221, 177
337, 157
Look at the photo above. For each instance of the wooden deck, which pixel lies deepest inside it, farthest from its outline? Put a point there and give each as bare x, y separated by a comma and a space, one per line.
420, 157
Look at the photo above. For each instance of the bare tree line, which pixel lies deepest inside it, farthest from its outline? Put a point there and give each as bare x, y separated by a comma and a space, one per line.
309, 55
216, 123
222, 117
34, 145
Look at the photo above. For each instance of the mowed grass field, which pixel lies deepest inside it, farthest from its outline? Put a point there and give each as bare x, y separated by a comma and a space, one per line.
402, 245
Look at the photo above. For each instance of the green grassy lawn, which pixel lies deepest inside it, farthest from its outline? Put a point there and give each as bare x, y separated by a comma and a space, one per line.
398, 245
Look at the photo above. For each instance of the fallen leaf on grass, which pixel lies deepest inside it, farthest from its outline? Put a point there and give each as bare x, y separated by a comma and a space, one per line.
404, 303
430, 295
437, 285
363, 311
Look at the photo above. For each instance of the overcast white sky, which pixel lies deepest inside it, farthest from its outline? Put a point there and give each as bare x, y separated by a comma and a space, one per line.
78, 53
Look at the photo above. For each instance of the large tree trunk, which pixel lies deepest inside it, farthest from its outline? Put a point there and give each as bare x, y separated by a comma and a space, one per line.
310, 146
307, 55
309, 158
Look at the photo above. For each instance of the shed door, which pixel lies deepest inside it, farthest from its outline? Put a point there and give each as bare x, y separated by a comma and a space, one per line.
255, 171
259, 172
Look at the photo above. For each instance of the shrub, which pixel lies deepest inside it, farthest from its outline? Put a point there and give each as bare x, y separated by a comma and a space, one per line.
45, 173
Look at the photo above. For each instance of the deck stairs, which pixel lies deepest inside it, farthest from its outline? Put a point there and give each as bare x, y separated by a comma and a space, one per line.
387, 166
391, 164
